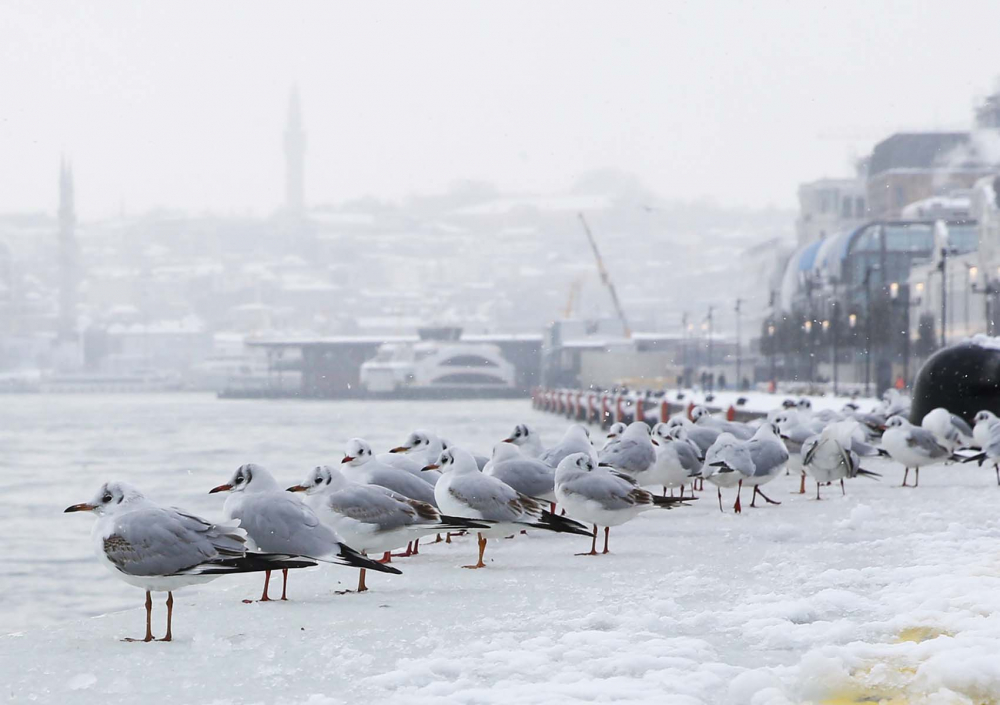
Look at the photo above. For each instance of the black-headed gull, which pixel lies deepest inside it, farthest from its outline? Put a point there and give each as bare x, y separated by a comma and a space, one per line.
529, 476
602, 496
769, 457
527, 440
464, 491
575, 440
727, 464
371, 518
633, 452
912, 446
279, 522
829, 456
162, 549
950, 431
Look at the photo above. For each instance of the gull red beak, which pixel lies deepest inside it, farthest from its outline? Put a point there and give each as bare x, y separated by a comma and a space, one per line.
399, 449
433, 466
221, 488
655, 443
82, 507
296, 488
508, 440
347, 459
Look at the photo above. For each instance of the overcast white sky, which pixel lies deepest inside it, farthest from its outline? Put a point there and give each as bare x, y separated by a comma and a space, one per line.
183, 103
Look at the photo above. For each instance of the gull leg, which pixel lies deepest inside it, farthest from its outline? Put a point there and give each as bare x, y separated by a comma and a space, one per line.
916, 482
607, 533
149, 620
170, 618
753, 497
905, 475
407, 553
416, 547
284, 583
817, 490
766, 498
552, 507
843, 490
387, 557
263, 596
802, 484
997, 468
438, 539
593, 545
361, 581
482, 550
737, 507
719, 489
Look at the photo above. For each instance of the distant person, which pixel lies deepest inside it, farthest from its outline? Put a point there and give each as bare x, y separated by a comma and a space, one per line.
722, 381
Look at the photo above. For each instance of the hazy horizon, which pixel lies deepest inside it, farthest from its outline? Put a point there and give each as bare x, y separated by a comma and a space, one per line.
184, 105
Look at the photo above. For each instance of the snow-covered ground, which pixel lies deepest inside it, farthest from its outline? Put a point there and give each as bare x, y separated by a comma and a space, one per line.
887, 593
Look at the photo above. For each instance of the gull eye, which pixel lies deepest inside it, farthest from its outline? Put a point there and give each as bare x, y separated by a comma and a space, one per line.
319, 480
107, 498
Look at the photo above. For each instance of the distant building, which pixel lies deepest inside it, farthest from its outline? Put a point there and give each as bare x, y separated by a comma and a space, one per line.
295, 152
68, 255
908, 167
829, 206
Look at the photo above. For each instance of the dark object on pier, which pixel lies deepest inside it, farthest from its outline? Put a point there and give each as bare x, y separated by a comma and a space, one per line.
710, 398
789, 404
962, 378
741, 401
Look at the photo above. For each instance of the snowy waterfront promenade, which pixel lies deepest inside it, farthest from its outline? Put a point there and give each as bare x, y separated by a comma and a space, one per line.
886, 593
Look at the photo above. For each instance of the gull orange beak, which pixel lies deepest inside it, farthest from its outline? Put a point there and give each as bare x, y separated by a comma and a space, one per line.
432, 466
347, 459
221, 488
82, 507
399, 449
296, 488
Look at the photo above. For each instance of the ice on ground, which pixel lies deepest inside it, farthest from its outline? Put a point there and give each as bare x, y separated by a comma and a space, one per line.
887, 594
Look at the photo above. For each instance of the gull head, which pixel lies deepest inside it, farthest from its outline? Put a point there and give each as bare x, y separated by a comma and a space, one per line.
662, 431
520, 435
454, 460
358, 452
895, 422
616, 429
320, 478
505, 451
699, 412
112, 498
248, 477
985, 416
418, 440
577, 462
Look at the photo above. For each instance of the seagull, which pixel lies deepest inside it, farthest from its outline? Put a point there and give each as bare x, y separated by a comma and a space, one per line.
614, 432
464, 491
950, 431
676, 459
528, 476
912, 446
359, 466
162, 549
701, 436
828, 456
769, 457
703, 417
727, 464
372, 518
576, 440
602, 496
989, 432
278, 522
422, 445
526, 440
634, 453
984, 422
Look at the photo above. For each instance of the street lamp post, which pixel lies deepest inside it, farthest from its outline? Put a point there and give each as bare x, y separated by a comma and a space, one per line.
808, 326
770, 336
711, 375
868, 326
852, 322
739, 377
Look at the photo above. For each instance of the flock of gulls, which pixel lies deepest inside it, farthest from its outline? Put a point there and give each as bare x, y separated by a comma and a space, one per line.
357, 512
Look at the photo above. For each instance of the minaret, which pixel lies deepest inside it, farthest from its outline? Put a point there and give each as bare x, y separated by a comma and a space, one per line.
68, 258
295, 151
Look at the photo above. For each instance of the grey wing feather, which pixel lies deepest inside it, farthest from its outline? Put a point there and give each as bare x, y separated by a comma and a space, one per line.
372, 505
529, 477
612, 491
158, 541
403, 483
686, 455
919, 438
279, 523
494, 500
963, 428
766, 457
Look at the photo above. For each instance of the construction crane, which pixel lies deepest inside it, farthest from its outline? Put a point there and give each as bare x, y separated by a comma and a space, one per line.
605, 279
574, 295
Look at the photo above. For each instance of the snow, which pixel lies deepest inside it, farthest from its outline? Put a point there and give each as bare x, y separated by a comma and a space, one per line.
886, 593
